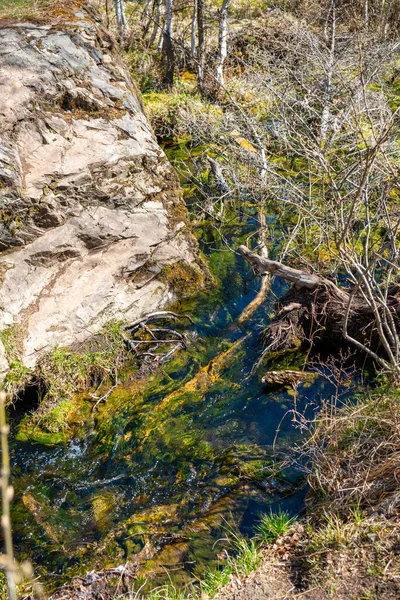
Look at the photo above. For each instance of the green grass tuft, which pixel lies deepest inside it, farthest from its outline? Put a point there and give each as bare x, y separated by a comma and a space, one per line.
214, 580
274, 525
168, 592
248, 556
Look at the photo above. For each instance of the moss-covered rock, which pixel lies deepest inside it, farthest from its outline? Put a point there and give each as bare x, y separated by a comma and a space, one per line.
184, 279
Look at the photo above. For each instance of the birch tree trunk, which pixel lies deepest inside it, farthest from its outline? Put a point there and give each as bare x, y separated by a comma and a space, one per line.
160, 42
386, 18
200, 45
222, 46
326, 113
193, 30
366, 13
120, 16
168, 48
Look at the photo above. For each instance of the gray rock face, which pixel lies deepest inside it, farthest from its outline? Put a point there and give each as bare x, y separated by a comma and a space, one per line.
90, 209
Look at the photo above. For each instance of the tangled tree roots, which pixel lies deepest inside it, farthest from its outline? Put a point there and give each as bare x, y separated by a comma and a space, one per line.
285, 330
315, 309
318, 315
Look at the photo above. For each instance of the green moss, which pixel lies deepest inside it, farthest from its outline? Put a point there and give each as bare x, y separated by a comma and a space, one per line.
256, 470
292, 359
34, 435
3, 586
154, 515
171, 114
55, 422
222, 264
184, 279
104, 505
63, 374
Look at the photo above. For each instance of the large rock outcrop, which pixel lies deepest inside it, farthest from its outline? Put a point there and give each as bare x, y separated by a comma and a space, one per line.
90, 208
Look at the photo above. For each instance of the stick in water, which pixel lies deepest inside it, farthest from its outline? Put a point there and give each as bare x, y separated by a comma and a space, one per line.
7, 492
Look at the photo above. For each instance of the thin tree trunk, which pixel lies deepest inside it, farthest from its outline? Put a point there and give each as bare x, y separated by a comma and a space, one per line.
265, 277
168, 48
156, 27
222, 46
6, 496
223, 187
366, 13
193, 31
160, 41
121, 18
386, 18
300, 278
145, 11
326, 112
107, 13
147, 16
200, 45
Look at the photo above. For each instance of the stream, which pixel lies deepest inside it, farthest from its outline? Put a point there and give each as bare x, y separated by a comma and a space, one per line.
174, 463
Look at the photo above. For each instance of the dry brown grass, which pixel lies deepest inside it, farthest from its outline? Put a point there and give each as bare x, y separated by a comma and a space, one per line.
37, 10
354, 455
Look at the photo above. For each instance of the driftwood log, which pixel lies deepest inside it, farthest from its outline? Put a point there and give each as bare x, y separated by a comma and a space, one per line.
287, 377
316, 310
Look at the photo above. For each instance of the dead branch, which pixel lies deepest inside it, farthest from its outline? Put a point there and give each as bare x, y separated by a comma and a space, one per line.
263, 265
161, 314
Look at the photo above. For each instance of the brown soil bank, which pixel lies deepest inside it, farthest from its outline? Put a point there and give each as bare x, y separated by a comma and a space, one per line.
350, 569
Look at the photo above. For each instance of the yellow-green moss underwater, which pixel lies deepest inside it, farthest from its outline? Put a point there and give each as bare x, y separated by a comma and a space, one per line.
162, 461
183, 279
347, 541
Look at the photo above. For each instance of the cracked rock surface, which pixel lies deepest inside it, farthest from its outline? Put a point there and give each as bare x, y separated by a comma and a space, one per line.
90, 208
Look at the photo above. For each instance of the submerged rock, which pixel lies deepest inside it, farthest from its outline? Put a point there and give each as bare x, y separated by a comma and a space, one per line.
104, 505
90, 208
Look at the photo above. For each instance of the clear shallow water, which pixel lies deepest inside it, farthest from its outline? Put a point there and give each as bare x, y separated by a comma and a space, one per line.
169, 465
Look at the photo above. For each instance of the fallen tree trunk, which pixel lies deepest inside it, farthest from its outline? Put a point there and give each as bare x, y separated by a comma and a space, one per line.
315, 309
